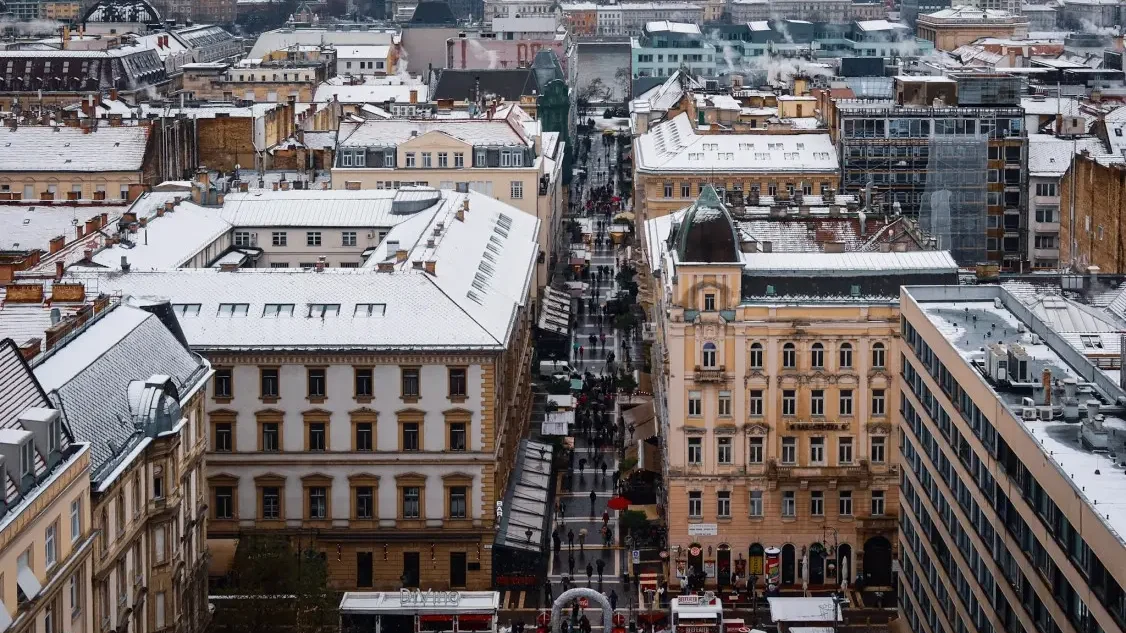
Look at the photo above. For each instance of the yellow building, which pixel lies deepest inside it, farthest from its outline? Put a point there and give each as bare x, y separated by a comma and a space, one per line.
60, 11
780, 383
957, 26
673, 162
46, 540
72, 163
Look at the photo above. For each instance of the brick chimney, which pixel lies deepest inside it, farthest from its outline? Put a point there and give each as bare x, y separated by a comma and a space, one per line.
430, 266
57, 243
24, 293
91, 225
414, 96
401, 255
79, 231
60, 268
56, 332
385, 267
30, 348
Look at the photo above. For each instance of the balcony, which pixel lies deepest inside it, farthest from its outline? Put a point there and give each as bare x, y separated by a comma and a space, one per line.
716, 374
859, 472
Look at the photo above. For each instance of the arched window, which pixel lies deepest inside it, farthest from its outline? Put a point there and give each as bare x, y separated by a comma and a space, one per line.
878, 356
846, 355
756, 355
817, 356
789, 356
709, 355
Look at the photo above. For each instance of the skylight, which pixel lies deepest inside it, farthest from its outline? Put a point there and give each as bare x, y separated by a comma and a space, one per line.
233, 309
274, 310
367, 310
186, 309
322, 310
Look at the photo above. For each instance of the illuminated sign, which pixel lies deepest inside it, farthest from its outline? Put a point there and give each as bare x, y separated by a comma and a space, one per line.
428, 598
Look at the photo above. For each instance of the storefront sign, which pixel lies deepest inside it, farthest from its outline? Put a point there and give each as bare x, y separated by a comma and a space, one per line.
703, 529
691, 600
429, 597
695, 628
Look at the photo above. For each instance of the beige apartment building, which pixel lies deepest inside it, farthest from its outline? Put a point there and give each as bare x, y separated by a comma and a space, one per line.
780, 383
1010, 418
46, 540
673, 163
496, 157
268, 81
73, 163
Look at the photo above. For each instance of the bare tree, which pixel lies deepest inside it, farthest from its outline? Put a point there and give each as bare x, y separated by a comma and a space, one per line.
625, 81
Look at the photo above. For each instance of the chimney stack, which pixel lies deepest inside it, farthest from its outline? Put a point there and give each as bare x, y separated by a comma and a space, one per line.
1046, 383
30, 348
401, 255
57, 243
430, 266
60, 268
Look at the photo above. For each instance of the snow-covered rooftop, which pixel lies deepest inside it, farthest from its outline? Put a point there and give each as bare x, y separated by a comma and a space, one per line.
674, 146
362, 52
666, 26
24, 227
392, 132
854, 264
72, 149
482, 272
1050, 156
881, 25
211, 110
803, 610
373, 93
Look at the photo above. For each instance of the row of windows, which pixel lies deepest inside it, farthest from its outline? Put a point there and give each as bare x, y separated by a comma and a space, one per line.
817, 356
271, 434
76, 192
281, 238
733, 191
363, 385
1101, 583
271, 502
789, 503
755, 405
877, 450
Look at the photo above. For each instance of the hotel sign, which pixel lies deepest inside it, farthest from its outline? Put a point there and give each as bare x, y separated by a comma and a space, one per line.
817, 426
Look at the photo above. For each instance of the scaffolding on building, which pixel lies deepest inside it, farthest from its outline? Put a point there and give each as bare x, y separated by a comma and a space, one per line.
954, 201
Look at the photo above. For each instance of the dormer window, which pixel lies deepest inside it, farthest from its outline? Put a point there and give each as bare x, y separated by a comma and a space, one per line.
53, 436
709, 355
27, 458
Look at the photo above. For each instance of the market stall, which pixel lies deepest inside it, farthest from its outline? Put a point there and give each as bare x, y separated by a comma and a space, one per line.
413, 611
697, 614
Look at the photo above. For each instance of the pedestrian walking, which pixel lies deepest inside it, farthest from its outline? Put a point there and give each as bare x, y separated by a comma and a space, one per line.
571, 540
593, 500
582, 540
603, 465
589, 574
605, 519
563, 504
601, 565
616, 476
571, 564
582, 463
581, 351
613, 600
556, 541
547, 591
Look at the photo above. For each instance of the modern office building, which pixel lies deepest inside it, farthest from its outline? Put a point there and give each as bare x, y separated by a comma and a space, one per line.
1010, 429
776, 335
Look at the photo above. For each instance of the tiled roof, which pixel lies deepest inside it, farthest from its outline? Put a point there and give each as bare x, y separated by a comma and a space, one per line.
95, 376
72, 149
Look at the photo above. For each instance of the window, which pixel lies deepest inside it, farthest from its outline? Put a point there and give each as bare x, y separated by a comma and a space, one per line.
426, 160
279, 238
723, 404
366, 310
817, 402
709, 302
459, 159
1049, 188
844, 450
685, 190
789, 450
312, 238
457, 436
755, 450
844, 503
49, 617
271, 437
231, 310
1047, 214
817, 450
364, 437
756, 355
323, 310
316, 436
695, 504
709, 355
275, 310
316, 380
754, 403
364, 382
668, 189
877, 402
318, 502
877, 503
365, 502
723, 450
695, 450
878, 453
457, 502
160, 615
755, 504
789, 356
443, 159
695, 404
271, 503
817, 503
846, 355
75, 520
223, 437
789, 402
410, 159
817, 356
224, 502
409, 383
186, 309
222, 382
516, 190
1045, 241
789, 504
845, 402
412, 496
878, 355
457, 381
245, 238
723, 504
75, 586
348, 238
50, 545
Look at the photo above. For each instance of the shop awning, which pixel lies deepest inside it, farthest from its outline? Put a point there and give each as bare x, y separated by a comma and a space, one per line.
557, 423
555, 312
525, 507
221, 555
643, 421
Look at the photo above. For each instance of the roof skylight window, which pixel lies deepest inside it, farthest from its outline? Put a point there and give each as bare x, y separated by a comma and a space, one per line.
186, 309
275, 310
230, 310
368, 310
322, 310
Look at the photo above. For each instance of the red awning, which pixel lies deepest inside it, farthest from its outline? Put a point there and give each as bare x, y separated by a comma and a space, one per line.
475, 617
440, 617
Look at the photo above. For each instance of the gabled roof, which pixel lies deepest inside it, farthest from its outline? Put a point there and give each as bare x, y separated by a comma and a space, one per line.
392, 132
73, 149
